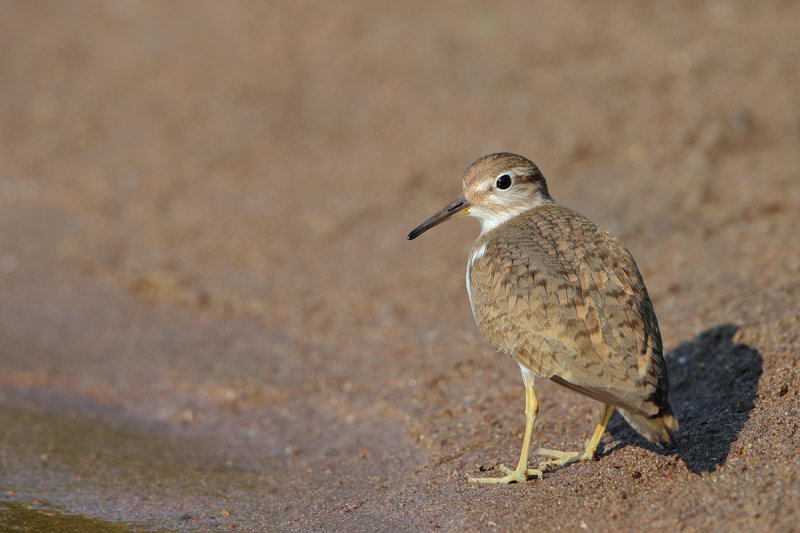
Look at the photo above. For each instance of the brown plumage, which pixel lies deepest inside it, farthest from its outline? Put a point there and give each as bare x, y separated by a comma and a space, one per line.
565, 299
562, 297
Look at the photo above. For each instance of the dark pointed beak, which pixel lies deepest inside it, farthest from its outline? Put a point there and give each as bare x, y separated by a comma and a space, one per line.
457, 207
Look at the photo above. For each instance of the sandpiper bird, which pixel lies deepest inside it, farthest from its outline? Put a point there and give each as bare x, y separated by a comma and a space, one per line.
564, 299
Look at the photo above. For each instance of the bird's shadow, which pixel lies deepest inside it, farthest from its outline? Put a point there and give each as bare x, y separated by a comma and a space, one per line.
713, 385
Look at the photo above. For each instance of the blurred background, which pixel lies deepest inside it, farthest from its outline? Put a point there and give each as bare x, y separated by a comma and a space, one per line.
210, 316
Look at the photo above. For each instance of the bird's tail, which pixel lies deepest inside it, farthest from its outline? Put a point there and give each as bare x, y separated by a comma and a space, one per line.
660, 428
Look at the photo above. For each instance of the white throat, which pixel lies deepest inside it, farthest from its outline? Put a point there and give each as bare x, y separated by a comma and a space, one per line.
494, 217
492, 220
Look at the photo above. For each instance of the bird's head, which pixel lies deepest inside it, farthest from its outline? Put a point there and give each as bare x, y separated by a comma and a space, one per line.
497, 187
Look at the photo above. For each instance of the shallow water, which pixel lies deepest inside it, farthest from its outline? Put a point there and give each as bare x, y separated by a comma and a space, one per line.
37, 516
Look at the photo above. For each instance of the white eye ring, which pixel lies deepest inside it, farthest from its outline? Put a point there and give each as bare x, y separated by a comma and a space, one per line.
504, 181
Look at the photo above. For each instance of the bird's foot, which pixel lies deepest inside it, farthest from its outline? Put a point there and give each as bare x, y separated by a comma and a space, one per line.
511, 476
561, 458
557, 454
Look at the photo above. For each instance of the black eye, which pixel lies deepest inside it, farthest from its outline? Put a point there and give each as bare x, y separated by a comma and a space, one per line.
504, 181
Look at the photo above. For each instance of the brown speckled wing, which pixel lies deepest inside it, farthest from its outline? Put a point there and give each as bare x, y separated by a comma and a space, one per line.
566, 300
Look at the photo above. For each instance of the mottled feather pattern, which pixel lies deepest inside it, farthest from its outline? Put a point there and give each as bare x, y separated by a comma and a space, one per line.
566, 300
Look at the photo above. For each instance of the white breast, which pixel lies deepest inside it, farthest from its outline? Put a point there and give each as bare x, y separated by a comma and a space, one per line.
477, 255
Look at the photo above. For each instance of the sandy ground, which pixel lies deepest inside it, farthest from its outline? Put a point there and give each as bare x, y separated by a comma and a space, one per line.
211, 318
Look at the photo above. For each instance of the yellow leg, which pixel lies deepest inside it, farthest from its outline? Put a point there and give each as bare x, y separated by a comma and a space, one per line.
522, 471
566, 458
